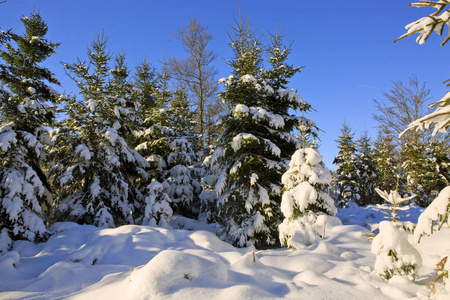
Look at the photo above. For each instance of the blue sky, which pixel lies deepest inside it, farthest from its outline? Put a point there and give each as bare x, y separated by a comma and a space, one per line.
346, 46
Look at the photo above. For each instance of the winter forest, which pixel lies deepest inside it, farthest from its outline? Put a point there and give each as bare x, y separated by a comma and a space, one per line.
165, 182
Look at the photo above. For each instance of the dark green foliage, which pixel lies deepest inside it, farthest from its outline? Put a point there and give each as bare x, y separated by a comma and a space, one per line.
256, 143
427, 170
25, 99
347, 172
385, 164
366, 171
96, 170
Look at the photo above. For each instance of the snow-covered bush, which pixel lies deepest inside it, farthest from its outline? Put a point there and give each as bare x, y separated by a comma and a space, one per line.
157, 206
438, 211
394, 254
304, 198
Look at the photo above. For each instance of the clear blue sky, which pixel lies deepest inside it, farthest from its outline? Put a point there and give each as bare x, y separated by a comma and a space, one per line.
346, 46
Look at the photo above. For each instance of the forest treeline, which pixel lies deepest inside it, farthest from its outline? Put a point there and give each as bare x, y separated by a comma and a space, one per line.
142, 146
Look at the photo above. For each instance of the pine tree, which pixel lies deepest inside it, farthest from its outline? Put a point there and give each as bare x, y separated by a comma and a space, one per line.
157, 206
304, 198
25, 111
426, 170
184, 170
385, 165
439, 160
168, 140
152, 142
256, 143
347, 172
366, 171
394, 254
96, 167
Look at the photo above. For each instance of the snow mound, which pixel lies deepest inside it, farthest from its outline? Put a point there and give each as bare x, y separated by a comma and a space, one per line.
146, 262
172, 270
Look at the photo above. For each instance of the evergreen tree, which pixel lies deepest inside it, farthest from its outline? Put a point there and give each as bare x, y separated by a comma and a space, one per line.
157, 206
439, 160
145, 87
304, 198
426, 170
366, 171
25, 111
256, 143
96, 167
169, 142
347, 171
385, 165
152, 135
184, 170
416, 170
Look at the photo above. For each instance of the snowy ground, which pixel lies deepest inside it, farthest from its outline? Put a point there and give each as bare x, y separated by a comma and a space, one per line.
141, 262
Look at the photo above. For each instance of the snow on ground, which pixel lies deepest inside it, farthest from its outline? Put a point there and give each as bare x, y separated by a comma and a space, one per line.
144, 262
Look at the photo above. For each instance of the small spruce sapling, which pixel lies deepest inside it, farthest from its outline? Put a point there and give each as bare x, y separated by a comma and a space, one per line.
395, 200
394, 254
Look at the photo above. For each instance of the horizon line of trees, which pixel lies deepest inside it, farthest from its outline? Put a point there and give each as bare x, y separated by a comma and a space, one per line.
139, 147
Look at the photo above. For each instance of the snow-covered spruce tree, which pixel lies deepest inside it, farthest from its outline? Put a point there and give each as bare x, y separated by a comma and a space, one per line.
395, 200
394, 254
420, 173
169, 142
151, 134
439, 160
25, 111
366, 171
256, 143
347, 171
157, 206
425, 26
385, 165
184, 170
305, 200
96, 167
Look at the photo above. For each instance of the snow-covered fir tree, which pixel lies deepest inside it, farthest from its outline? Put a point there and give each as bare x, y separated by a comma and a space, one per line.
426, 170
152, 142
304, 198
385, 165
25, 111
366, 171
95, 166
438, 159
256, 143
347, 171
168, 141
184, 161
157, 206
394, 254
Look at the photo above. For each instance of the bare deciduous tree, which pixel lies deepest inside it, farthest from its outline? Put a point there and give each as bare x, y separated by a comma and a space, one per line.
401, 105
196, 71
